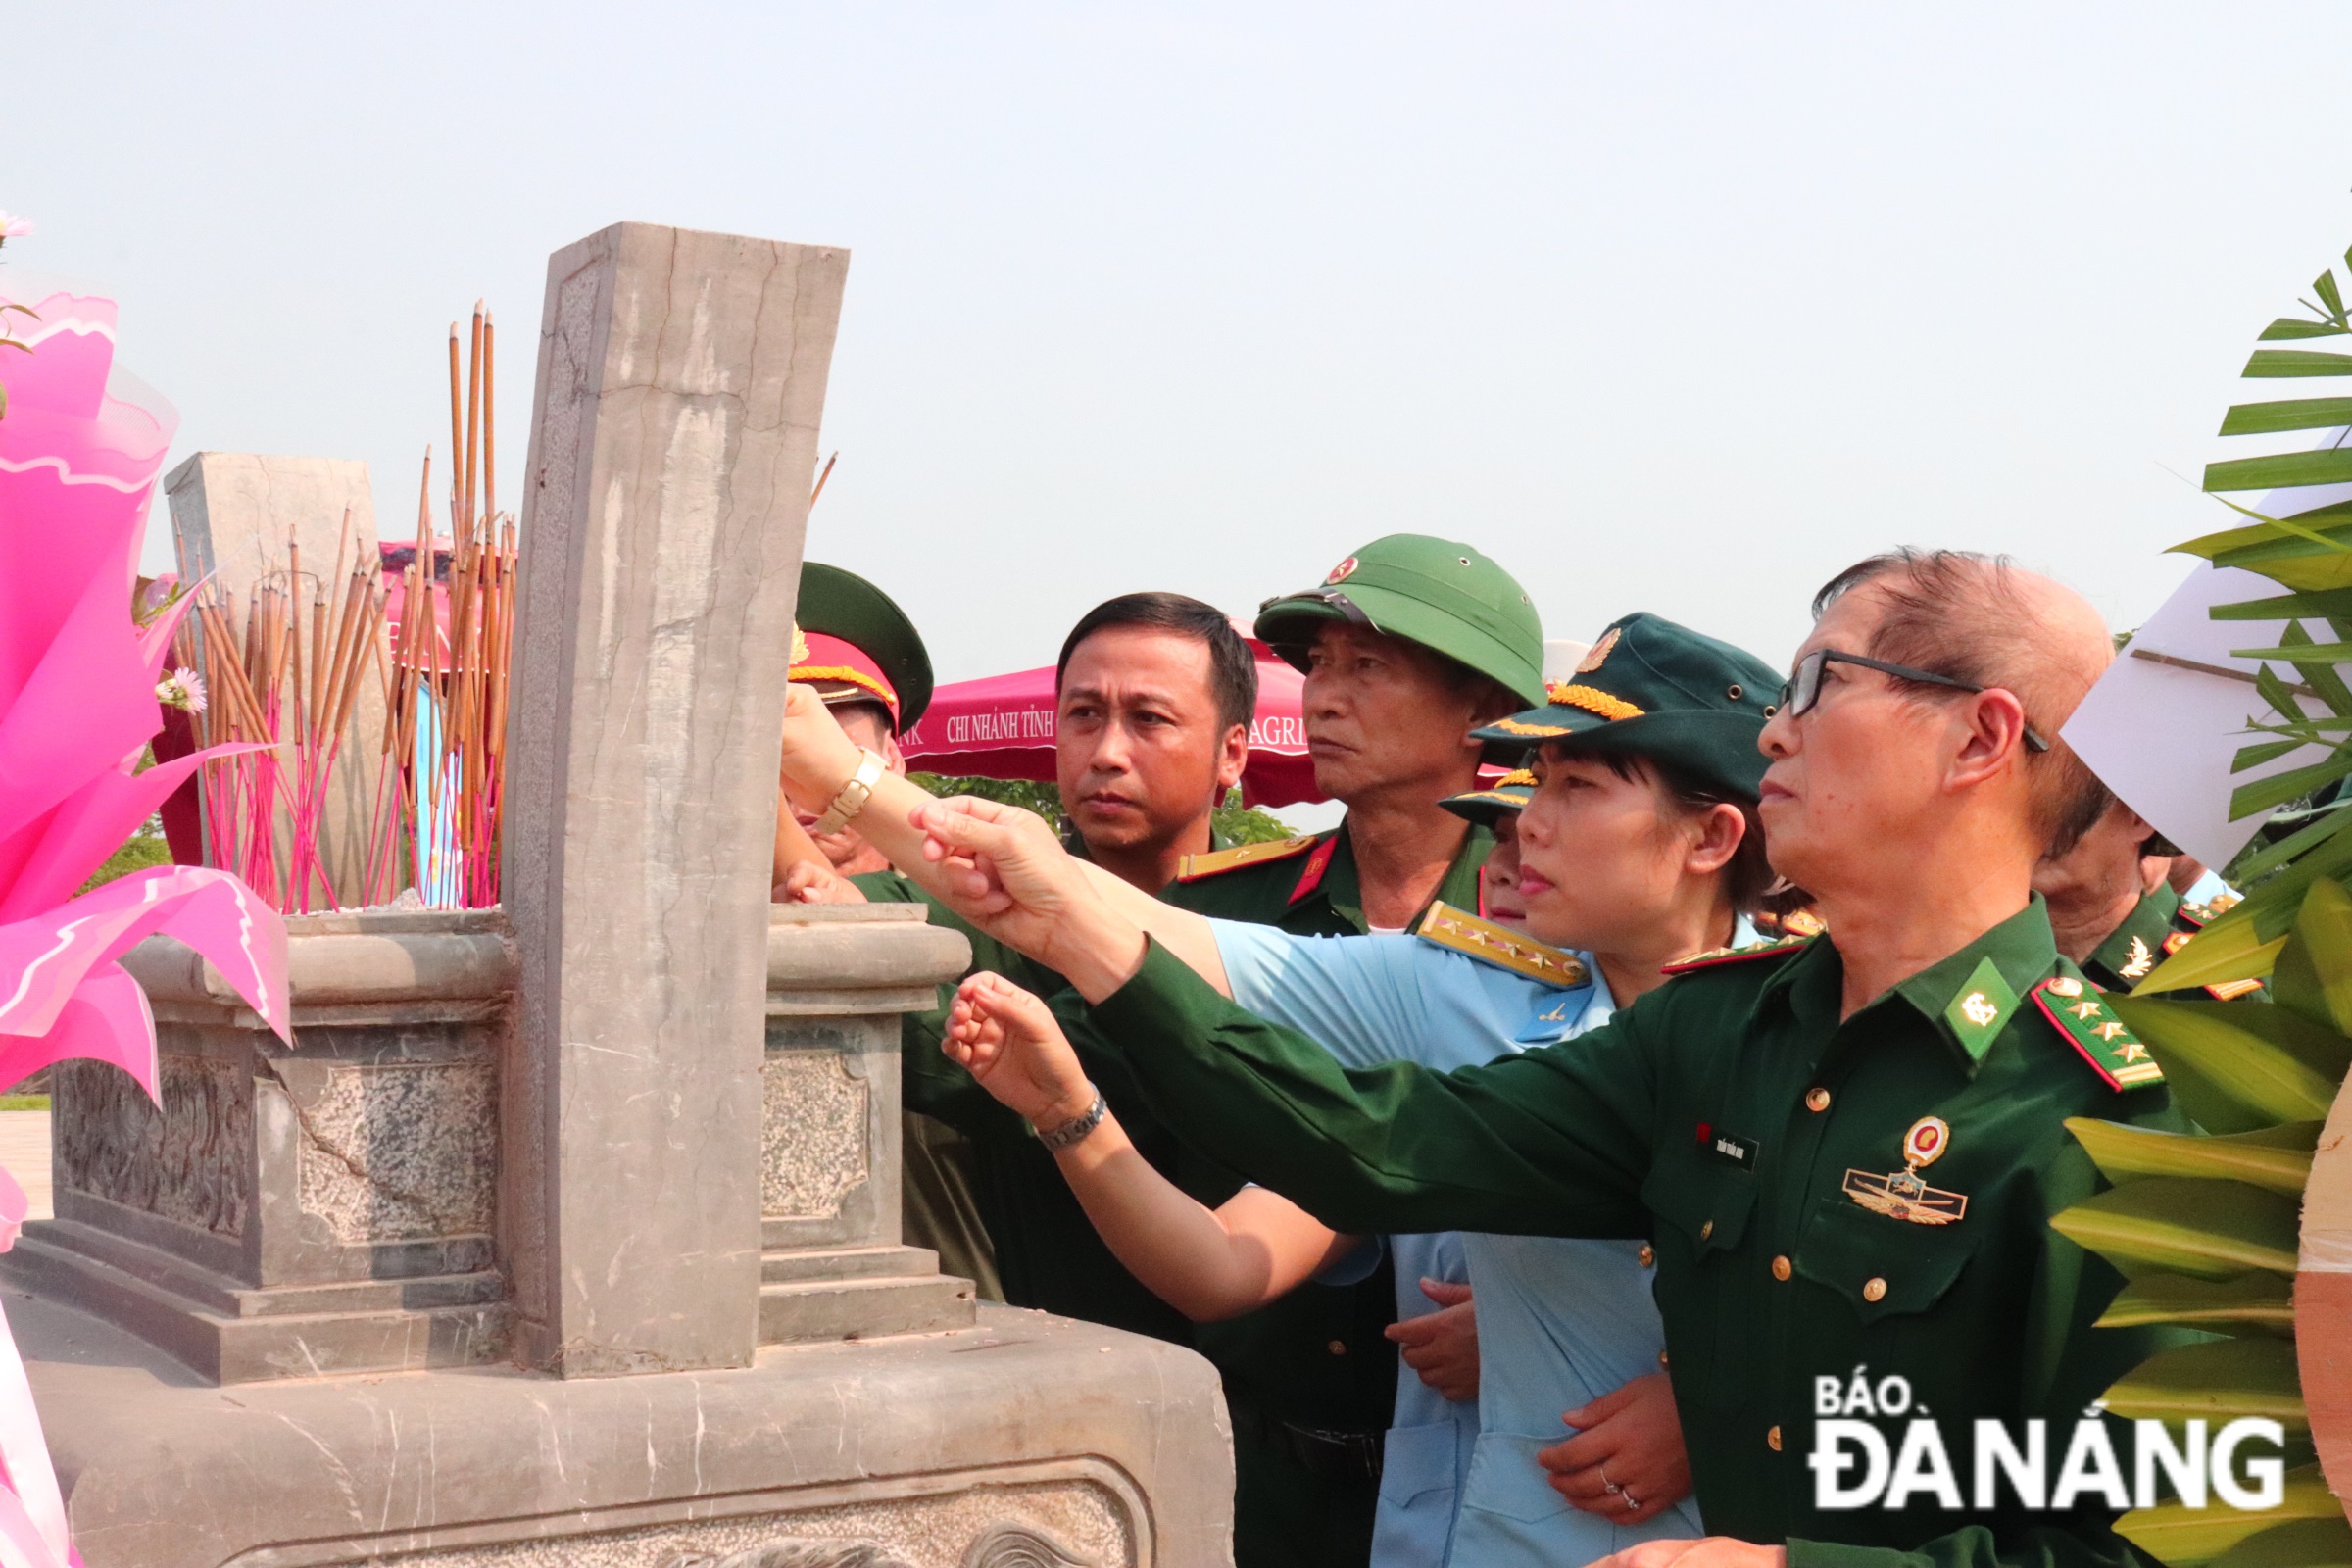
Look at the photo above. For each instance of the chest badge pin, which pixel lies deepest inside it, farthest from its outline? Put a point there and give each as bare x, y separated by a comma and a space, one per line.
1903, 1194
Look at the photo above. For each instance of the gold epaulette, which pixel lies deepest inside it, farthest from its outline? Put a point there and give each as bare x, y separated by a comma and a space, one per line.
2204, 915
1502, 947
1193, 867
2081, 1014
1723, 956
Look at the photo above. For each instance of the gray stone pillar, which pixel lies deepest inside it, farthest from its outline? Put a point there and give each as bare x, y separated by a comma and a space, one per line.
673, 443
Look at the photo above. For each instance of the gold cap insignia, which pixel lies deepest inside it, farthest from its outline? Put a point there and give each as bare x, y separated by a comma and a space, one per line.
1340, 572
1600, 652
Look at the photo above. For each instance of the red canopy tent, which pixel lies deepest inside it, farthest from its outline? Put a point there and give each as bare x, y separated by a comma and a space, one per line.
1003, 727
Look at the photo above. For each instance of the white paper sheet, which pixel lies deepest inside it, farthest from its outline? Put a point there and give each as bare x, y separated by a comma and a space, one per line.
2163, 737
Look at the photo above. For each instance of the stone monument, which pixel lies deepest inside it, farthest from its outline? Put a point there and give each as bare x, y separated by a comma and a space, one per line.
569, 1232
233, 515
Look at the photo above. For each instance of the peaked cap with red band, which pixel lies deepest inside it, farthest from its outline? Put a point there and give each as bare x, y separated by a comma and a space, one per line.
857, 645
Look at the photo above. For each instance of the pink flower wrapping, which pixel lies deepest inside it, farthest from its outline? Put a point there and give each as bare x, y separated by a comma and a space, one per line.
79, 450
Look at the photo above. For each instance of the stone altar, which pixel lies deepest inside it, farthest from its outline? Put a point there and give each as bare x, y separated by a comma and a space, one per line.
567, 1233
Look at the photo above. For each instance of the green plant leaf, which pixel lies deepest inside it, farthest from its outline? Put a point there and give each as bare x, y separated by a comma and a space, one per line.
2290, 413
2283, 469
2189, 1536
2276, 1160
2265, 1080
2314, 973
2232, 948
2221, 1382
2269, 364
2288, 327
2252, 1304
2205, 1229
2298, 1544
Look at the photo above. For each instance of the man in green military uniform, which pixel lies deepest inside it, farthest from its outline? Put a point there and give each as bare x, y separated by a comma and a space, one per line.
2113, 910
1846, 1148
1407, 645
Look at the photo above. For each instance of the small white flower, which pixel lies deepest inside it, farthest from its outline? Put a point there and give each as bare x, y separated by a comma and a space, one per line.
183, 689
13, 226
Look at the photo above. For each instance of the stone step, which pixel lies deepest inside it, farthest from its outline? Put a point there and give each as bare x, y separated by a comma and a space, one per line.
234, 1298
813, 1310
247, 1349
847, 1264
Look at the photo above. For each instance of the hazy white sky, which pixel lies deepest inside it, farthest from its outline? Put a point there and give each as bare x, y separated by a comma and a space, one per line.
1667, 307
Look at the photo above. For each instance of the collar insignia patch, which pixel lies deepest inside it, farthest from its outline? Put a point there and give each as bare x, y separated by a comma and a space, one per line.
2138, 959
1503, 948
1981, 1009
2081, 1014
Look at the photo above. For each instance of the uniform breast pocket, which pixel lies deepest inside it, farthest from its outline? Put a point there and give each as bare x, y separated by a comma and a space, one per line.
1884, 1268
1701, 1213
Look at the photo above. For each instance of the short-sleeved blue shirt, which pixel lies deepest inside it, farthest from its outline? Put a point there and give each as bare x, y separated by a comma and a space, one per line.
1560, 1322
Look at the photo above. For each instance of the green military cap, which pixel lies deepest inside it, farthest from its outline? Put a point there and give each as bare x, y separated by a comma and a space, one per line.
1445, 596
1661, 691
857, 645
1509, 793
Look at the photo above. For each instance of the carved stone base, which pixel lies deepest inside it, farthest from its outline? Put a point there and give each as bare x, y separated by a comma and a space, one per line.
1024, 1441
234, 1332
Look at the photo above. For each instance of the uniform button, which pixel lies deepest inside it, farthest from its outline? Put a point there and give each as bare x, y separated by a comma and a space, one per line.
1817, 1100
1772, 1440
1337, 1346
1706, 1230
1781, 1268
1661, 1358
1648, 1255
1873, 1290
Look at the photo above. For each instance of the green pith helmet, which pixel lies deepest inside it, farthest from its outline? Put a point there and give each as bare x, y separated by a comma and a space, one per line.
858, 646
1657, 690
1481, 806
1445, 596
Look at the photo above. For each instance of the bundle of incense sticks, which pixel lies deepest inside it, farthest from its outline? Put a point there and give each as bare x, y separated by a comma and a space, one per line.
291, 679
287, 680
444, 741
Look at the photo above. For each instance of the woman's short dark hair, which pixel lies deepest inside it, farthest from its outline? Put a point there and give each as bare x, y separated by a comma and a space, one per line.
1749, 874
1232, 669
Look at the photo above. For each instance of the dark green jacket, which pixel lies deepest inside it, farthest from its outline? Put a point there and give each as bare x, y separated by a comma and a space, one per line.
1722, 1115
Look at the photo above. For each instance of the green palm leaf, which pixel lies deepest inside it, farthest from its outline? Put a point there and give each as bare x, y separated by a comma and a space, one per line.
2251, 1304
2219, 1383
2187, 1537
2276, 1160
2208, 1230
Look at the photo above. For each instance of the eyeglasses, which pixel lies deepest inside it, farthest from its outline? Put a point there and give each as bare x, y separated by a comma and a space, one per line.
1803, 691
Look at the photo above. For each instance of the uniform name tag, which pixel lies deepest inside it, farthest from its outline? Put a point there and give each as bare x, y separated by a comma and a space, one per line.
1729, 1147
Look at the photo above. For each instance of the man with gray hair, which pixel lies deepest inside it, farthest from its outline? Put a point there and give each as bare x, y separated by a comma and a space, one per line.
1846, 1148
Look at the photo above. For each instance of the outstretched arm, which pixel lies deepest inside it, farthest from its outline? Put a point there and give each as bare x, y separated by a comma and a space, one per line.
1208, 1263
968, 855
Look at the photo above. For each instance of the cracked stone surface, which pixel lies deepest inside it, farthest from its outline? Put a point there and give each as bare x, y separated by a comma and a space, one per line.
401, 1152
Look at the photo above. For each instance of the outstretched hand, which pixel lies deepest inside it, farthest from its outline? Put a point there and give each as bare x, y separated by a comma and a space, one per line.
1002, 868
818, 756
1006, 1038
